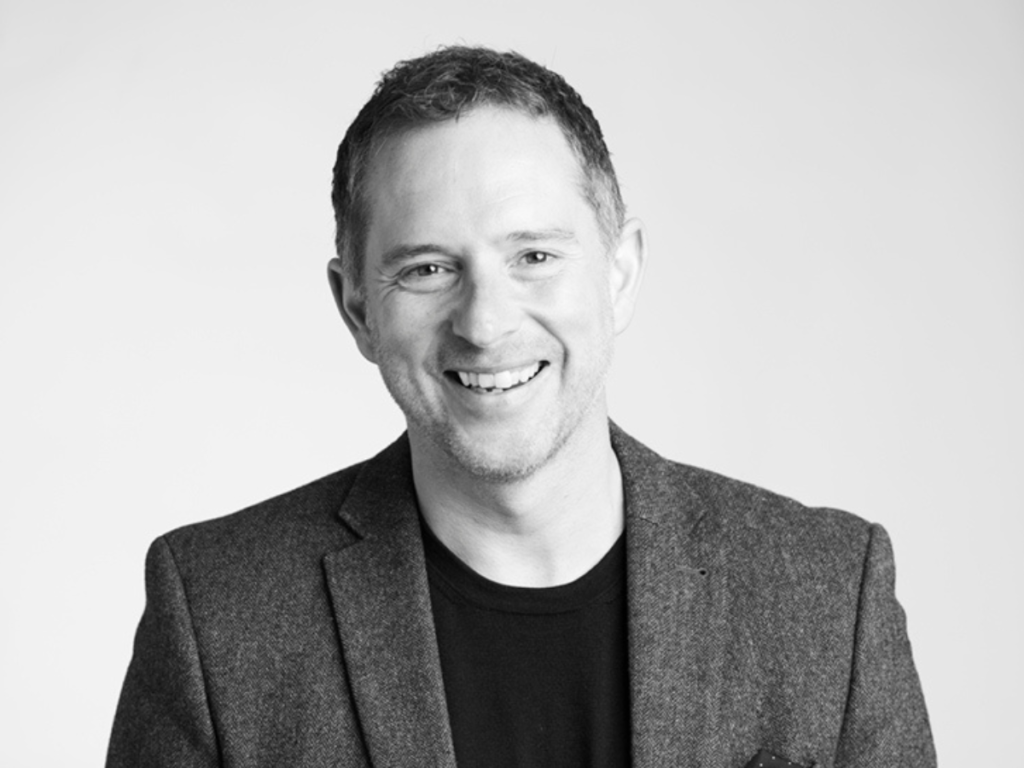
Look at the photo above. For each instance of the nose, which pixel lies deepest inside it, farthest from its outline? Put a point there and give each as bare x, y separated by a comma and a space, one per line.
488, 311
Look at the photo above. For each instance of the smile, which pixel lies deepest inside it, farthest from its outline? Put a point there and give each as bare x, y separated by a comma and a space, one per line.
498, 381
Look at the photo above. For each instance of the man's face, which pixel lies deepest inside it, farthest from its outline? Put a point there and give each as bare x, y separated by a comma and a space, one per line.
489, 298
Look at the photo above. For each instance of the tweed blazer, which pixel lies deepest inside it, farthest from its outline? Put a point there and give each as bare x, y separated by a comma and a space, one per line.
299, 632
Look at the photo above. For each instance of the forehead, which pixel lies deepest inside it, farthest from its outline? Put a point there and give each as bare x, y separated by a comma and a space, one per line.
492, 169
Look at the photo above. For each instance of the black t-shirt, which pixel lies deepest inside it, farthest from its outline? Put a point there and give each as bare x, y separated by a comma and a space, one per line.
533, 677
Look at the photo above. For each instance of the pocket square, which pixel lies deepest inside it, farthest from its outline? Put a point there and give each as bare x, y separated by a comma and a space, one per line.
766, 759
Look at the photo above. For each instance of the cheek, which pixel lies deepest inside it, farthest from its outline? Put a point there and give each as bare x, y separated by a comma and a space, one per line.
404, 330
586, 294
578, 311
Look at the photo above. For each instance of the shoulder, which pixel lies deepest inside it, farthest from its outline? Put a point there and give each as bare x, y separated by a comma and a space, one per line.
238, 571
289, 533
750, 511
303, 512
767, 538
752, 526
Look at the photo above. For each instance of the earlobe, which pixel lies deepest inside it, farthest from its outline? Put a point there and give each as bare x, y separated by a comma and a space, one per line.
627, 270
351, 303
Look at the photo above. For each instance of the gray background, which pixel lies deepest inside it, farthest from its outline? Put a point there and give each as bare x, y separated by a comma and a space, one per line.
834, 195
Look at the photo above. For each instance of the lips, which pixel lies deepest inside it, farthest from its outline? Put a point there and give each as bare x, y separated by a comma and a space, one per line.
497, 381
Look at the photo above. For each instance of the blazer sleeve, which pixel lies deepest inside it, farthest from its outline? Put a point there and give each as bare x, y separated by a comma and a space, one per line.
163, 716
886, 722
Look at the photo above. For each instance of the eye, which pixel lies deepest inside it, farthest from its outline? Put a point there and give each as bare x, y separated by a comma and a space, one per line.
428, 276
536, 257
538, 265
422, 270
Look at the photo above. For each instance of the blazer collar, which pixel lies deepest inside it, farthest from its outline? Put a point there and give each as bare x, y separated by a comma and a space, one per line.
381, 602
676, 610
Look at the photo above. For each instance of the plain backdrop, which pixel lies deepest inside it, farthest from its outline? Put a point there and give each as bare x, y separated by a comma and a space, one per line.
834, 309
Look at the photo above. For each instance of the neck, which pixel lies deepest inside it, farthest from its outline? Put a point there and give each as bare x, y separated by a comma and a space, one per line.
542, 530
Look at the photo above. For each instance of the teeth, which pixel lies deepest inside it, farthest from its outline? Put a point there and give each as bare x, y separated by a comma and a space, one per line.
499, 381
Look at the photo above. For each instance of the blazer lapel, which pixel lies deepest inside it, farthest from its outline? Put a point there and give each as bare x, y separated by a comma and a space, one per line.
381, 602
676, 612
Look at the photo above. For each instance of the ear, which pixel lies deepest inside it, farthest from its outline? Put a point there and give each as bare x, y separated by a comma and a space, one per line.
351, 303
626, 272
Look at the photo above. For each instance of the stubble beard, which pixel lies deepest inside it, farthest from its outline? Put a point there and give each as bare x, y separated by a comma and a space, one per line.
514, 462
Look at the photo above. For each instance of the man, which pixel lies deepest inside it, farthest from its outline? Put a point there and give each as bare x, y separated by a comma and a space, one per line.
514, 581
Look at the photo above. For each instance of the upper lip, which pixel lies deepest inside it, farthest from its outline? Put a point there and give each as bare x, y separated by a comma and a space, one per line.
493, 368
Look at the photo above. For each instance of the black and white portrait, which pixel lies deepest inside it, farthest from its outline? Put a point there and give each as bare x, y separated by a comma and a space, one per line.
805, 274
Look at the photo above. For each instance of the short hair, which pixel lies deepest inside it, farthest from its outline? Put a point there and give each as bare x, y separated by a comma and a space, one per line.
442, 86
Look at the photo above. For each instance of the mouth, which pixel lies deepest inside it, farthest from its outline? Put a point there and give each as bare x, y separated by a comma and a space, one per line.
496, 381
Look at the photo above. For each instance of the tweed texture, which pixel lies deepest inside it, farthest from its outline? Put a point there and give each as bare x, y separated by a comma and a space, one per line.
298, 632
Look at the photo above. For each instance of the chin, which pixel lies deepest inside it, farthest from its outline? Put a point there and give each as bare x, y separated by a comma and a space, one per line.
505, 460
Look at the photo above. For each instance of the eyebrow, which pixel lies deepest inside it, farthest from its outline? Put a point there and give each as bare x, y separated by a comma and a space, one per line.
542, 235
